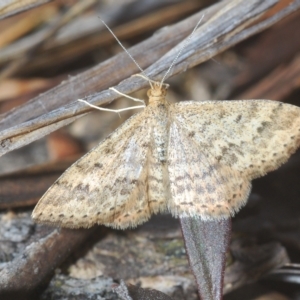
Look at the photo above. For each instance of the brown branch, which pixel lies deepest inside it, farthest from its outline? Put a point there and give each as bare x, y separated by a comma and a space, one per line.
25, 187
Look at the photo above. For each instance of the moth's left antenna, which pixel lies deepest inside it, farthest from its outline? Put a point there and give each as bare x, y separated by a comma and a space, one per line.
132, 58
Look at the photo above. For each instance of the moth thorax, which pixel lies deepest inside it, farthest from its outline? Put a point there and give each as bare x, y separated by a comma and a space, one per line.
157, 94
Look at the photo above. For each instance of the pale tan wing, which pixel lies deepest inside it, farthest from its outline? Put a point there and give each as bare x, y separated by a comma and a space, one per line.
105, 186
251, 136
200, 186
156, 183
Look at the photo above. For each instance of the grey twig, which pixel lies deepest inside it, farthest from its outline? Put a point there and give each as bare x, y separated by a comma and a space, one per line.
224, 25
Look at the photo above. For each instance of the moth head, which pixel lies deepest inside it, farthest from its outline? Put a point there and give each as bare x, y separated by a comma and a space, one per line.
157, 92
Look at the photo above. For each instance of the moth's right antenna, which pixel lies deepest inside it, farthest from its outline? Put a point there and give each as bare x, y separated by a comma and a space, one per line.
180, 51
119, 42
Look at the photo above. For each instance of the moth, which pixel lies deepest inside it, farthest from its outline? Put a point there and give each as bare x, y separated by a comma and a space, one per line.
192, 159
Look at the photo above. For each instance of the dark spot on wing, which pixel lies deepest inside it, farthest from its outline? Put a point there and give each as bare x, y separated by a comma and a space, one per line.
83, 188
124, 192
107, 150
262, 127
210, 188
238, 118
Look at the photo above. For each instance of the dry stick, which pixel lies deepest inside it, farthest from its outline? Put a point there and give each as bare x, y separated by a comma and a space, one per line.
106, 74
223, 30
53, 29
79, 44
14, 7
